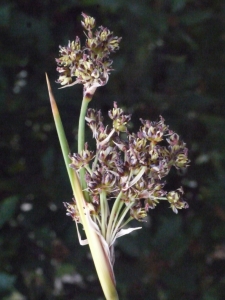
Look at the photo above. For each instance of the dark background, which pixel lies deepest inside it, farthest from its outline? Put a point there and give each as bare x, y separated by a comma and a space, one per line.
171, 63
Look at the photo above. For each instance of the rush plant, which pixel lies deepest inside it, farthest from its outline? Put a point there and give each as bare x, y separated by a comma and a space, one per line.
123, 177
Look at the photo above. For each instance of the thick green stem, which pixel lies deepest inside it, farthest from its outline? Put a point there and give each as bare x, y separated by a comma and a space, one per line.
99, 255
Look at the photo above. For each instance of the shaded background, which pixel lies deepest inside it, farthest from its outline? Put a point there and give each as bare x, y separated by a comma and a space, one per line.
171, 62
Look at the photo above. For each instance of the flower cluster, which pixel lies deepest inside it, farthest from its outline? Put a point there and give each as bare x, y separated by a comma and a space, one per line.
130, 167
90, 64
124, 176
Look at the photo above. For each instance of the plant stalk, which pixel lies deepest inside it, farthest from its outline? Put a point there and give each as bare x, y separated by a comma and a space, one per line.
81, 140
98, 252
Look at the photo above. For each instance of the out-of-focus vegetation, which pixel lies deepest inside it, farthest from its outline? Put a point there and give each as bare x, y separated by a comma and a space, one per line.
171, 63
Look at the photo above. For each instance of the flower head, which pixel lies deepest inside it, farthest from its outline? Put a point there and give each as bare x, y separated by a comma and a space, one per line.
132, 166
89, 65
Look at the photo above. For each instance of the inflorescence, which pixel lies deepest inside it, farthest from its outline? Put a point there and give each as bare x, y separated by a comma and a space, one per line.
129, 166
90, 64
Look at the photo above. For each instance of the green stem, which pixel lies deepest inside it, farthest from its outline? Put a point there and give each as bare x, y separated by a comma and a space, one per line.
98, 220
81, 126
87, 167
81, 141
113, 216
120, 206
104, 212
127, 221
122, 216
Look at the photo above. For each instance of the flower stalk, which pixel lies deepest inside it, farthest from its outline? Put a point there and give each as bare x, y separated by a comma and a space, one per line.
81, 140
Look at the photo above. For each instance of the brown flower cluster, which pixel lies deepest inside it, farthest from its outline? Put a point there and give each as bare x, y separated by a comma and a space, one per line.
130, 165
90, 64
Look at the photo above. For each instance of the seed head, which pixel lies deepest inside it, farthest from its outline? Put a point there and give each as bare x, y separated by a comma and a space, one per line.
131, 165
89, 65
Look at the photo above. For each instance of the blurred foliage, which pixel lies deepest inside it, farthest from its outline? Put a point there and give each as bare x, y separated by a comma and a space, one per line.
171, 62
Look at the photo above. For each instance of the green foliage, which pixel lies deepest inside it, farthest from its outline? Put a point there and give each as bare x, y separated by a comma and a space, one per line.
171, 63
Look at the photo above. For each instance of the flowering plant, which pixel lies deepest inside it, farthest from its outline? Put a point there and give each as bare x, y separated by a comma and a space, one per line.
125, 169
